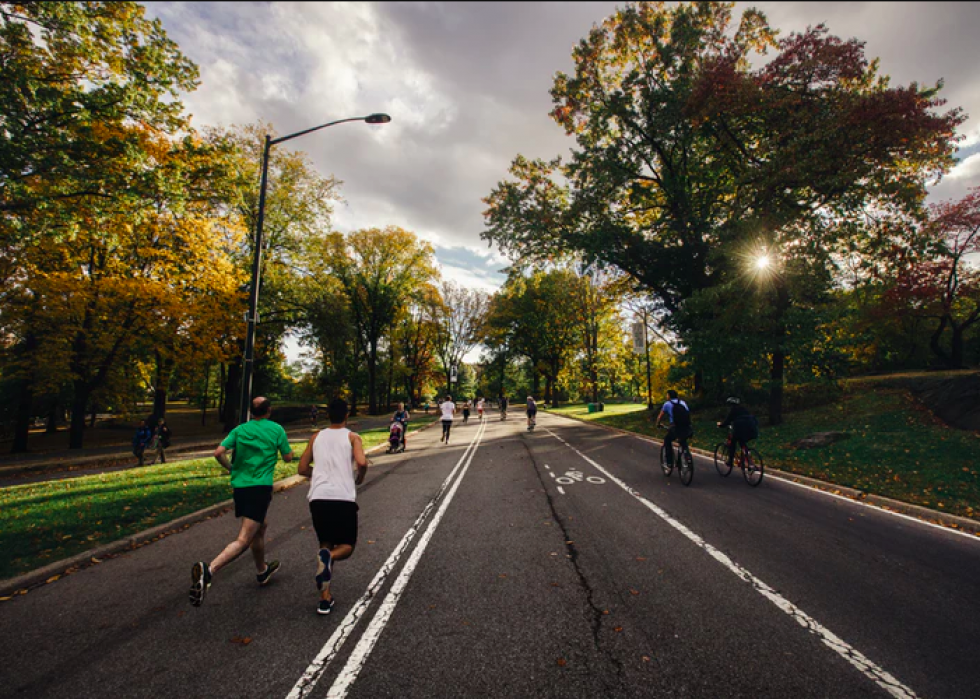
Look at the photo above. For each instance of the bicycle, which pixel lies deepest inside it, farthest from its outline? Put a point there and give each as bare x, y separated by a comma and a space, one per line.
746, 458
682, 457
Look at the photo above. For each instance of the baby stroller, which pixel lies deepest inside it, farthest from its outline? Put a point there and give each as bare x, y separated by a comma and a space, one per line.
396, 438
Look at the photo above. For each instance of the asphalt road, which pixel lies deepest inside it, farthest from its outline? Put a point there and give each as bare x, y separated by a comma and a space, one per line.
560, 563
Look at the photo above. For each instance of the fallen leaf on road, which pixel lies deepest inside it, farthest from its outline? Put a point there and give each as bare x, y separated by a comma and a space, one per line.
4, 599
634, 592
502, 575
605, 611
569, 542
556, 584
370, 541
562, 662
640, 558
243, 640
52, 578
618, 629
646, 658
553, 553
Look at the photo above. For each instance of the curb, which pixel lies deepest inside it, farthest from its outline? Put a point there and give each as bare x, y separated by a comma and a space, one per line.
52, 572
954, 522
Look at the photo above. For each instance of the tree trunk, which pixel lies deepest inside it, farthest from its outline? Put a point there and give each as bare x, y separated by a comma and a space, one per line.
956, 348
53, 418
22, 422
204, 398
372, 379
233, 381
536, 381
76, 430
163, 370
698, 382
93, 416
776, 388
934, 341
221, 389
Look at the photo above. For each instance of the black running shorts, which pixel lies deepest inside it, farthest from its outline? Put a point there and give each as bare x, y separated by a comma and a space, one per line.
253, 502
335, 521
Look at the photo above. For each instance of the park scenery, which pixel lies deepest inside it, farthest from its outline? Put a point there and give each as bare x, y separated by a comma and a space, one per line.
550, 224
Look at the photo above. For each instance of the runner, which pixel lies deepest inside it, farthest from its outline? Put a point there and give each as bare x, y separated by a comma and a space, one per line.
327, 462
447, 408
466, 412
256, 446
532, 411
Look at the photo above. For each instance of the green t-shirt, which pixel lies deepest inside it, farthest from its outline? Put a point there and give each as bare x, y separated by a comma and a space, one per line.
257, 445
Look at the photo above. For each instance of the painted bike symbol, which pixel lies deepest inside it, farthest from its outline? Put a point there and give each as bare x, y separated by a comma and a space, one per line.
571, 477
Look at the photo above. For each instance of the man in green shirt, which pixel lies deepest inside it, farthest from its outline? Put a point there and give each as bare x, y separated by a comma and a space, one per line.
255, 447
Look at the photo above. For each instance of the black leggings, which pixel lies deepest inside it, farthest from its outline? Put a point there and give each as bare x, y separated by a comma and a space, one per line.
446, 425
669, 441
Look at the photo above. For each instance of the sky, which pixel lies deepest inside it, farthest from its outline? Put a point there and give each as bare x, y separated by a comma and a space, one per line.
467, 87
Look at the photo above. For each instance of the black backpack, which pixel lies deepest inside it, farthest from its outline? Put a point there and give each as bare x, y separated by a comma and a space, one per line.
681, 416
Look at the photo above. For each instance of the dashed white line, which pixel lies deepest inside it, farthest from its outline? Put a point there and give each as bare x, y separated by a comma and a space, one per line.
560, 489
308, 681
878, 675
369, 638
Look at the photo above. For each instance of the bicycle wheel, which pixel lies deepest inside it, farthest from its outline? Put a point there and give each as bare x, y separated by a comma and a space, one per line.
665, 466
754, 468
685, 467
721, 460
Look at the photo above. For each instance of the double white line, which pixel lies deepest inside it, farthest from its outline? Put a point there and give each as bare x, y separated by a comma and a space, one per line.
363, 649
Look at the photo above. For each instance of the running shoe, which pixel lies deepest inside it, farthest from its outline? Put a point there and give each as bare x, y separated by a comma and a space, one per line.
325, 606
270, 568
324, 564
200, 582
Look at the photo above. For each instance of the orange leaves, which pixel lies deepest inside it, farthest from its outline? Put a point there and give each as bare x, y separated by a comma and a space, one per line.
241, 640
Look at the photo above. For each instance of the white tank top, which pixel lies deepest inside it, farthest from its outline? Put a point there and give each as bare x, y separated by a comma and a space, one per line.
333, 467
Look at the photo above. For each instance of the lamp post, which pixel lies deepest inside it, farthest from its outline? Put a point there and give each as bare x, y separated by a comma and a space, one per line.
253, 303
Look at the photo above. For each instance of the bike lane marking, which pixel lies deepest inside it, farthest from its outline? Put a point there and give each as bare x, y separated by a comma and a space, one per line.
307, 682
878, 675
359, 656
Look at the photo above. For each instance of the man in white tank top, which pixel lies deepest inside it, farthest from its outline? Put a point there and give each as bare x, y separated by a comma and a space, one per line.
447, 408
328, 462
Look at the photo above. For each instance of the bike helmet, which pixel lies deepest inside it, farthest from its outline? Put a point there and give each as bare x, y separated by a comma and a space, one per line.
733, 400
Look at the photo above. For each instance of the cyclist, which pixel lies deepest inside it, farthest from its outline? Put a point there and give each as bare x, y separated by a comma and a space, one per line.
744, 426
532, 411
679, 415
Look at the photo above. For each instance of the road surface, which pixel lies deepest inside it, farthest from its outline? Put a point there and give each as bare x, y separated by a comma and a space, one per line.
558, 563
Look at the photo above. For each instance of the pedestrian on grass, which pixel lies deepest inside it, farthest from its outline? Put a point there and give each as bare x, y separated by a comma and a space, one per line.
142, 437
447, 408
328, 462
255, 447
163, 439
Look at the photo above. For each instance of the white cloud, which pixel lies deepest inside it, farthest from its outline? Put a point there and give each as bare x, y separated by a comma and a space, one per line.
966, 169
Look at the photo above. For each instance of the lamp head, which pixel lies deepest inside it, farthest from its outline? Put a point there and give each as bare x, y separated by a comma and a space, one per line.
377, 119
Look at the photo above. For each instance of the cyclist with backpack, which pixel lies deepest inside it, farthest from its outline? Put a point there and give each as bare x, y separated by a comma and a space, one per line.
679, 415
745, 427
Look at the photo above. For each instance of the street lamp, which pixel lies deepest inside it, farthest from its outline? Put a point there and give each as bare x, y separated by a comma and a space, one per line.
253, 303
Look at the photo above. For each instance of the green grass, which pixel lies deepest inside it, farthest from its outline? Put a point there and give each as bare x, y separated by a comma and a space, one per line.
897, 448
45, 522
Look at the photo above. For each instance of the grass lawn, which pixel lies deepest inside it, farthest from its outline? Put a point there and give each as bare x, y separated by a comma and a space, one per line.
45, 522
897, 448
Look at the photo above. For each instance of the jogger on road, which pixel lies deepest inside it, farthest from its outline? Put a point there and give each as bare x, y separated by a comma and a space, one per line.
255, 447
447, 408
328, 462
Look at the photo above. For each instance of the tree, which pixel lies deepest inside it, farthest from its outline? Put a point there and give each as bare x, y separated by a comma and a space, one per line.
68, 71
382, 271
460, 316
686, 156
938, 283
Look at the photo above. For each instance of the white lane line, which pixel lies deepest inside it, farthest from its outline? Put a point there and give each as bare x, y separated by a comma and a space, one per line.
560, 489
369, 638
876, 508
316, 669
551, 474
547, 467
877, 674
